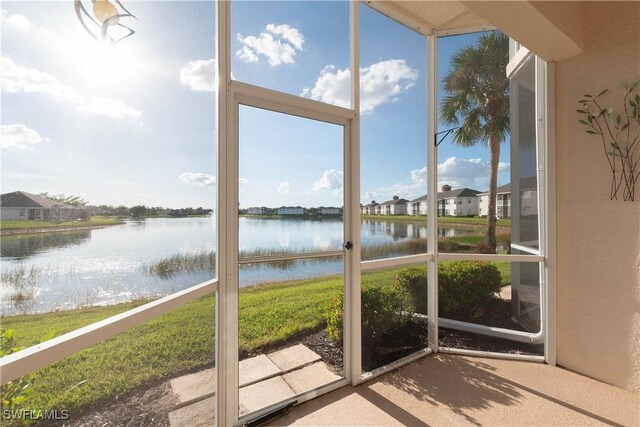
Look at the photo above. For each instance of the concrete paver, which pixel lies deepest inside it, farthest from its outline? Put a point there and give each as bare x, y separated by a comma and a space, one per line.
199, 414
255, 369
264, 393
188, 387
309, 377
293, 357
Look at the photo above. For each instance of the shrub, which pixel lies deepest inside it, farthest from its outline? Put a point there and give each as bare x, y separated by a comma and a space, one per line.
461, 285
413, 282
384, 308
14, 393
335, 316
464, 284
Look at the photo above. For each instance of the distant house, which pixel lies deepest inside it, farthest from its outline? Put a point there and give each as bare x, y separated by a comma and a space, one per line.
369, 209
503, 203
528, 189
417, 206
329, 211
291, 210
21, 205
459, 202
395, 206
257, 211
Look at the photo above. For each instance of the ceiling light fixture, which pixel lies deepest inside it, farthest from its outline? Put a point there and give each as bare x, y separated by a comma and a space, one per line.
105, 16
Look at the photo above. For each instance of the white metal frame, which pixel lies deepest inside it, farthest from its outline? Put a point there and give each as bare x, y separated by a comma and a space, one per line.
545, 90
230, 95
38, 356
242, 94
432, 190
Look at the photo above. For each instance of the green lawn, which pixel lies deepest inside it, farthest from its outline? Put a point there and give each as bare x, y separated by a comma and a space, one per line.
441, 220
176, 342
94, 221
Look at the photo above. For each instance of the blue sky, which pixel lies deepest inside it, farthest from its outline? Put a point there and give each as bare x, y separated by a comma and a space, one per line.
135, 124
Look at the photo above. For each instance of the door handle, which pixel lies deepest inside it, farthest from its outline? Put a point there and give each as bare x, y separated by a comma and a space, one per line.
348, 245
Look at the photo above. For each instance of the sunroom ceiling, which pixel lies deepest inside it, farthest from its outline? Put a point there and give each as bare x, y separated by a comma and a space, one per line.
448, 17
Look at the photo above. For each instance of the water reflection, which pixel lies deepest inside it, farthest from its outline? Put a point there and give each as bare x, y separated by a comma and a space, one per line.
114, 264
24, 246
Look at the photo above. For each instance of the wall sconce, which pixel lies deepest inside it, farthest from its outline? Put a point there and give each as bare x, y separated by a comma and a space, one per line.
105, 16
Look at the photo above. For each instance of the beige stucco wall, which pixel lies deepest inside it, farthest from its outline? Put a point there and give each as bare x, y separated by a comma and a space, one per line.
598, 240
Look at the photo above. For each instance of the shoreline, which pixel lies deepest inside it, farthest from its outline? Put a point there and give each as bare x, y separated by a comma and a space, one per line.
42, 230
442, 221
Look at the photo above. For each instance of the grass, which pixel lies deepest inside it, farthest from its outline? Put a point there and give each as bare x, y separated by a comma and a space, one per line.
174, 343
178, 263
441, 219
94, 221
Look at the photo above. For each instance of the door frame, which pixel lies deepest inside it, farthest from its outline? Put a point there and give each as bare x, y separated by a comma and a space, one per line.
269, 100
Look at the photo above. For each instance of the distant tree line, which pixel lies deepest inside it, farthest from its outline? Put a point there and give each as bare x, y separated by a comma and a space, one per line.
274, 211
140, 211
137, 211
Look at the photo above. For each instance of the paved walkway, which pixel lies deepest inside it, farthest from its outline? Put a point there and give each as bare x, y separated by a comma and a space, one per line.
264, 380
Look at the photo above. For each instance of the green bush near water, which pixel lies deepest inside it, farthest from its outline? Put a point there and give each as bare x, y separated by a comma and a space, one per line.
461, 284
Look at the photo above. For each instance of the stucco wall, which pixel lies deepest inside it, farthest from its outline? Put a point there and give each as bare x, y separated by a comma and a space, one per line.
12, 213
598, 241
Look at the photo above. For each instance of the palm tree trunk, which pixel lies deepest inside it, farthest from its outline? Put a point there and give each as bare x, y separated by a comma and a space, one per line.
494, 150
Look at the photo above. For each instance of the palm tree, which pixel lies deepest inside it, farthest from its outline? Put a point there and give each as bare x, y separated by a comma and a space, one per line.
477, 100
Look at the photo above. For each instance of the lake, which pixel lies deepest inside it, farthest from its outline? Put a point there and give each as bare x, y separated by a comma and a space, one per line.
71, 269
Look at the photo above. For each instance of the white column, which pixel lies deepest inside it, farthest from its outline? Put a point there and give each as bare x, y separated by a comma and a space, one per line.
353, 331
226, 311
432, 188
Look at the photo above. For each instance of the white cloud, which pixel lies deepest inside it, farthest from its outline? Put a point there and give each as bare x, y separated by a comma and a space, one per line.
470, 173
284, 187
330, 180
290, 34
18, 79
243, 181
15, 21
19, 137
198, 178
200, 75
279, 44
380, 83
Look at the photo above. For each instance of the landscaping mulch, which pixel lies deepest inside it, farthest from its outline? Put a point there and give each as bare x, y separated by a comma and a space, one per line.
147, 405
496, 313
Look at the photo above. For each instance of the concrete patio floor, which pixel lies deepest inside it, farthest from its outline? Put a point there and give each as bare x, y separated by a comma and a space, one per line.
445, 390
264, 379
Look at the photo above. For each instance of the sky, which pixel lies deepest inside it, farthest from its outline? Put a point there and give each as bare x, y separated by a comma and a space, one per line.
135, 123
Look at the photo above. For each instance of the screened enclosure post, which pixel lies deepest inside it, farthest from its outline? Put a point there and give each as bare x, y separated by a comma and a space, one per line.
546, 90
353, 337
432, 190
224, 416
